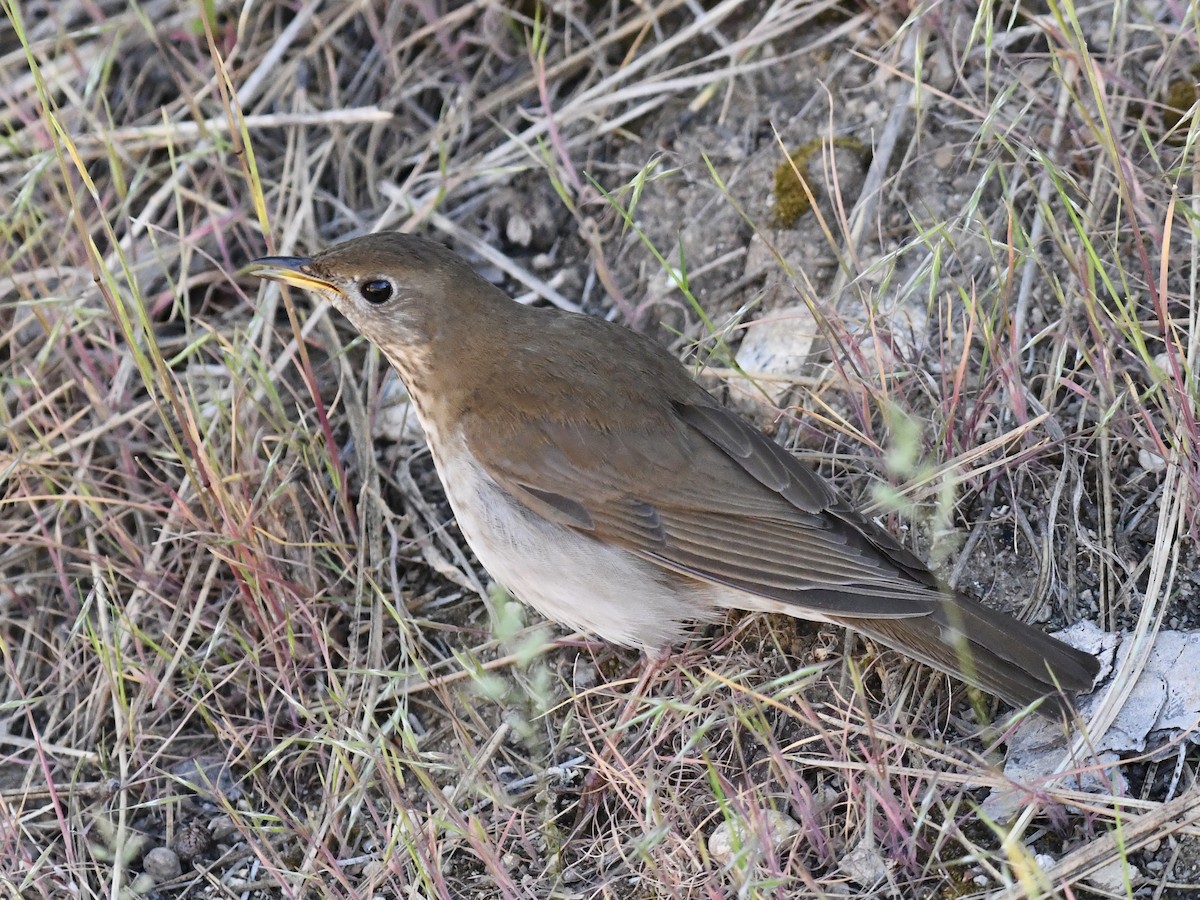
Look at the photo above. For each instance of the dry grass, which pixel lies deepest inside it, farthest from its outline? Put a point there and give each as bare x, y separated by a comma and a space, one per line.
234, 618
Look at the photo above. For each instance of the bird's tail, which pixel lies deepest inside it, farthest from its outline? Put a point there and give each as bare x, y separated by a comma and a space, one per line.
991, 651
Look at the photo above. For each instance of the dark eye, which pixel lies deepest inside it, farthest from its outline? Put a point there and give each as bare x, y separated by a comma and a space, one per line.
377, 290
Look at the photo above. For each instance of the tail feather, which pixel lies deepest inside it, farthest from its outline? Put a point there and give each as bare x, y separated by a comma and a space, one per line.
989, 650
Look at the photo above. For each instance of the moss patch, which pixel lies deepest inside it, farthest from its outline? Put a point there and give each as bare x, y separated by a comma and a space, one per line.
792, 200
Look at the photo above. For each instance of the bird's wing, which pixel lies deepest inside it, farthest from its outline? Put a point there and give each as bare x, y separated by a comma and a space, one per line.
701, 492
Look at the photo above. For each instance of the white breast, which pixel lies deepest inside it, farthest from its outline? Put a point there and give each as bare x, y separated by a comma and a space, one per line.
568, 577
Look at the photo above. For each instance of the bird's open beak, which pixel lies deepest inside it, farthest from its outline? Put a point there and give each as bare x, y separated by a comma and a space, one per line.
293, 270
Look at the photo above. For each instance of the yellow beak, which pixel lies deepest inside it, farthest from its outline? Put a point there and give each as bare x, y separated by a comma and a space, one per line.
292, 270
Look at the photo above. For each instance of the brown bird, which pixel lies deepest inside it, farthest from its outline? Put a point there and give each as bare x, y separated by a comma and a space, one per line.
602, 486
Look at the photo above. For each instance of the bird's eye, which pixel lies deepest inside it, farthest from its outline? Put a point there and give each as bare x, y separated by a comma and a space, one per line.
377, 290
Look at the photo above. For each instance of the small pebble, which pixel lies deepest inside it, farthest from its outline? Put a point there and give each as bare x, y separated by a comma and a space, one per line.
222, 828
584, 677
730, 837
1151, 461
865, 864
1114, 877
161, 864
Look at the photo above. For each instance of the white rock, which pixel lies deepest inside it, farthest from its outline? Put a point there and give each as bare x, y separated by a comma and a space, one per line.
1114, 877
865, 864
1151, 461
778, 345
730, 838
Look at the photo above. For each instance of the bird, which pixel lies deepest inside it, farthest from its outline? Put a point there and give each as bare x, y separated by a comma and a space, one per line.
601, 485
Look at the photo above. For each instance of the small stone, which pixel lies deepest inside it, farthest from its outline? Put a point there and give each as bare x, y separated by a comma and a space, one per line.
866, 865
584, 676
729, 838
1151, 461
943, 157
939, 70
1115, 877
374, 870
221, 828
518, 231
779, 344
161, 864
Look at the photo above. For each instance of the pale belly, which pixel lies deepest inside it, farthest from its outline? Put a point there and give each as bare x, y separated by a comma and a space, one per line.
568, 577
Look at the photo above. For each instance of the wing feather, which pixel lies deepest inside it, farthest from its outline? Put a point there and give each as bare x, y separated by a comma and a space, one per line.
715, 499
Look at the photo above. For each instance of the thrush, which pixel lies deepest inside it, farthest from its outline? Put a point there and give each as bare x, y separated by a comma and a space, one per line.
601, 485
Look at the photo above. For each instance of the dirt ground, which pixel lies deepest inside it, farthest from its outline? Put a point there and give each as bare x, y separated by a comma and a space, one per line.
946, 253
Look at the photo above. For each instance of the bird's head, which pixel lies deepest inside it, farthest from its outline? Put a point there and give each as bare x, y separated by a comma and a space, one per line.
400, 291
